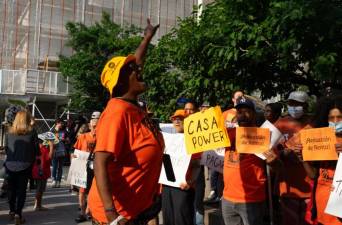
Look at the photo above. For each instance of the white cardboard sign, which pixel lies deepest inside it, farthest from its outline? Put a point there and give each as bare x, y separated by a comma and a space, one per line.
167, 128
334, 206
276, 136
77, 175
175, 147
214, 159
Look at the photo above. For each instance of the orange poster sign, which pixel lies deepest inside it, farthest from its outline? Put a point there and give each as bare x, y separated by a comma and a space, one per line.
252, 140
318, 144
295, 139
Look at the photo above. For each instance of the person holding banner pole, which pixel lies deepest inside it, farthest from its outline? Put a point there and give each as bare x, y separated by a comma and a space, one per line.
129, 147
293, 182
177, 203
328, 114
244, 195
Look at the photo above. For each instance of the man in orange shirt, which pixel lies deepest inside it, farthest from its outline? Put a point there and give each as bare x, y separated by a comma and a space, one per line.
244, 194
294, 184
229, 115
86, 142
129, 147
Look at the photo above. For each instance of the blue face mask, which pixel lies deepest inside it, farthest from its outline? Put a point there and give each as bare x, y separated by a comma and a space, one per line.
337, 126
295, 111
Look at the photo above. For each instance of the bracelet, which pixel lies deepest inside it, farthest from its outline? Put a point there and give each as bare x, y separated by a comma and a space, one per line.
112, 209
117, 220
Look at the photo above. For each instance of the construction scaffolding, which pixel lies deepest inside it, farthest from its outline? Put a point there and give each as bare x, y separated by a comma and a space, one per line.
32, 31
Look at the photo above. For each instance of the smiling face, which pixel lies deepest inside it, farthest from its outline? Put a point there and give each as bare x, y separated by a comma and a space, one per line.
178, 124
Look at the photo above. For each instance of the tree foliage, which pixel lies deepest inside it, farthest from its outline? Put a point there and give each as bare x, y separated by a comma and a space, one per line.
271, 46
93, 46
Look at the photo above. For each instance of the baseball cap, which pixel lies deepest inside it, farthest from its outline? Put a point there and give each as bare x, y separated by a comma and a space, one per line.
111, 72
299, 96
95, 115
178, 113
244, 102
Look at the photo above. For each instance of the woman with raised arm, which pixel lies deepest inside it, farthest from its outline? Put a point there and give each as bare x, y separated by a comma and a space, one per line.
129, 147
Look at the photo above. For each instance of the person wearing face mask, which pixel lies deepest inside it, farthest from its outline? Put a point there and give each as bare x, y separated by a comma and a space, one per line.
293, 182
328, 114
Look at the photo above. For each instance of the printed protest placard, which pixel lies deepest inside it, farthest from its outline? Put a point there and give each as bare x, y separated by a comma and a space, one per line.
295, 139
175, 147
252, 140
318, 144
214, 159
205, 131
78, 169
334, 206
167, 128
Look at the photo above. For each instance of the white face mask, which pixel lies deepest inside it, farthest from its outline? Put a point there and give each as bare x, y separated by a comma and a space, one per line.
337, 126
295, 112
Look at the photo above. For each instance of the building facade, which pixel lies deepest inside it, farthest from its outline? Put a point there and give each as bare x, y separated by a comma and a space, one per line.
33, 35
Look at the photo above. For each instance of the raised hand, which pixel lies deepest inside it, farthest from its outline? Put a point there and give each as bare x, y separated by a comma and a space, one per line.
150, 30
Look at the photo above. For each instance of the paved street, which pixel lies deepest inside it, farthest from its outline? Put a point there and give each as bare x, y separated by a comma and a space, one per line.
62, 208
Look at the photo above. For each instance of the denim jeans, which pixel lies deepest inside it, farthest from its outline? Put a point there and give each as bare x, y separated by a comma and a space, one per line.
243, 213
17, 184
57, 168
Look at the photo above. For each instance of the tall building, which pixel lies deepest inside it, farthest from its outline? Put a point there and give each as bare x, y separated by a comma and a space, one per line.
33, 35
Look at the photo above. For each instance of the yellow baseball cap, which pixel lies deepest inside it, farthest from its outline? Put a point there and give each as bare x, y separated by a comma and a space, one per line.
111, 72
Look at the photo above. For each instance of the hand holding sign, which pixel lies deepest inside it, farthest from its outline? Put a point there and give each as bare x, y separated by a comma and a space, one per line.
205, 131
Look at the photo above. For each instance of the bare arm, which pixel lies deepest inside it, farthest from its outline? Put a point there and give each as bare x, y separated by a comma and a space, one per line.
140, 53
103, 184
51, 149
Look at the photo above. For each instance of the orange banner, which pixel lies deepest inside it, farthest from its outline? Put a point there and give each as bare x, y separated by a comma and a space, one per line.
252, 140
318, 144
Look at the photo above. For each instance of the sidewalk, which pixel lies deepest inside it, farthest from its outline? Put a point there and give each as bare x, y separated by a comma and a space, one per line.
62, 208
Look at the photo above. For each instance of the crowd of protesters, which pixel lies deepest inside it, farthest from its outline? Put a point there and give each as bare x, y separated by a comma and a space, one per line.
126, 149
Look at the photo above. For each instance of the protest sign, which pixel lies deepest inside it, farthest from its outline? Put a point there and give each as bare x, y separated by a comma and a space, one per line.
167, 128
252, 139
276, 136
175, 147
78, 169
295, 139
205, 131
214, 159
334, 206
318, 144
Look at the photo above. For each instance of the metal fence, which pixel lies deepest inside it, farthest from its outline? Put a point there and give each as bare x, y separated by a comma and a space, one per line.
32, 31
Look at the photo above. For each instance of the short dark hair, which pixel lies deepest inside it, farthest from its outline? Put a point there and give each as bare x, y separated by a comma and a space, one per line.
322, 109
276, 108
192, 101
58, 120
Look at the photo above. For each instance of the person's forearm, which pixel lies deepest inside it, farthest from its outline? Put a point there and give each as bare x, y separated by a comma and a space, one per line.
310, 170
103, 182
142, 49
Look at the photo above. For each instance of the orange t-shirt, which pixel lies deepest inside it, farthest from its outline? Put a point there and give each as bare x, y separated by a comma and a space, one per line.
229, 114
292, 177
83, 141
124, 130
244, 175
324, 183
